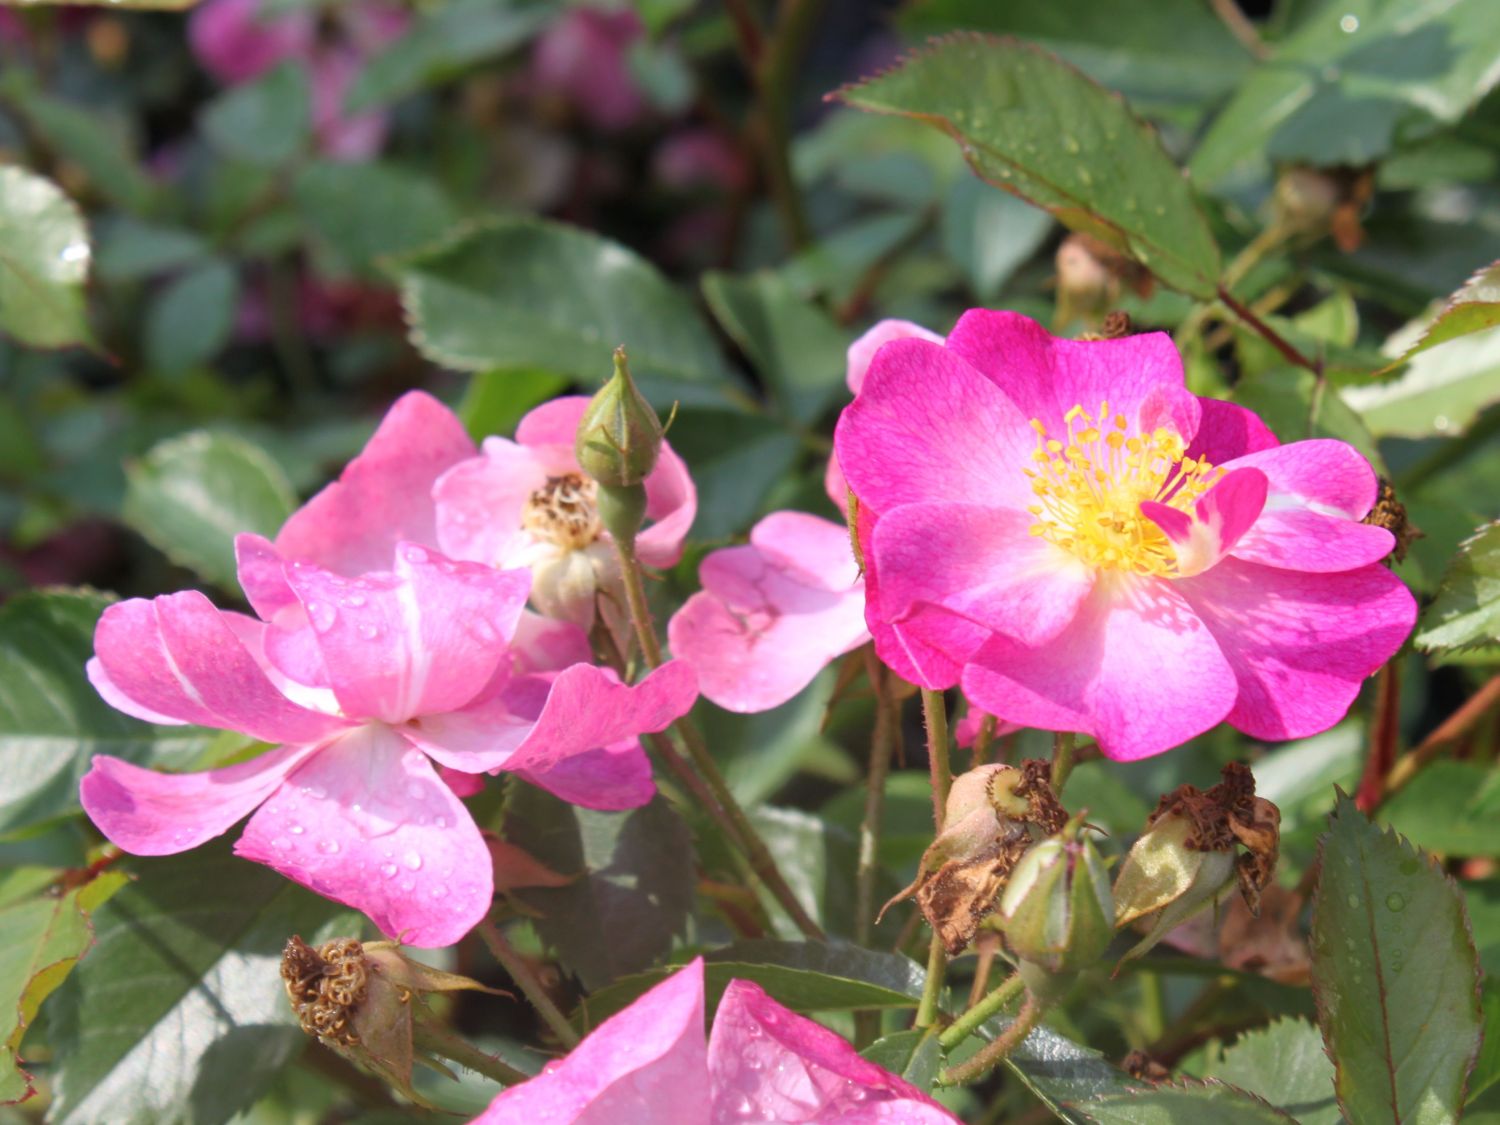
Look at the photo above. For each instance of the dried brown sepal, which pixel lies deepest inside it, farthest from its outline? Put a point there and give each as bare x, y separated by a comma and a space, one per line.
1138, 1064
325, 985
1045, 811
1117, 325
1227, 814
957, 897
1390, 514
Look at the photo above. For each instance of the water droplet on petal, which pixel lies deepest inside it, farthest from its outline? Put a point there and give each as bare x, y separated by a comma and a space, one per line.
412, 860
388, 870
413, 554
296, 830
328, 847
368, 631
322, 615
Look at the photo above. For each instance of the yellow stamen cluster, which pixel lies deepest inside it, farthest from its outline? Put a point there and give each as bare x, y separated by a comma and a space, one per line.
1089, 489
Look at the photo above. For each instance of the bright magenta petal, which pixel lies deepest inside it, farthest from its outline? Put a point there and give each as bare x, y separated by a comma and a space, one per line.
425, 639
1328, 476
862, 351
766, 1063
1301, 539
1300, 644
150, 813
176, 656
773, 613
1046, 376
368, 822
645, 1065
928, 427
1217, 523
384, 495
611, 778
1136, 669
1227, 430
983, 565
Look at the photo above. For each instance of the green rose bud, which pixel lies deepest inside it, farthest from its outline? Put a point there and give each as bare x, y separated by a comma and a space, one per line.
1057, 910
620, 435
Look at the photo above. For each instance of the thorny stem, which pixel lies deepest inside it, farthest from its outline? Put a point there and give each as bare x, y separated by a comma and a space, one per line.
998, 1050
1062, 759
1384, 731
685, 738
1269, 334
935, 711
987, 945
461, 1051
1454, 727
963, 1027
520, 972
984, 741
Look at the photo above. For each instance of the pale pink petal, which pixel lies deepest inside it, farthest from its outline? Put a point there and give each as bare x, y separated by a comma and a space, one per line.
426, 638
926, 427
236, 41
368, 822
480, 502
766, 1063
150, 813
552, 429
260, 567
535, 726
772, 614
384, 495
1046, 376
122, 702
863, 350
982, 564
611, 778
462, 784
966, 730
1136, 669
308, 686
1227, 430
177, 656
1300, 645
545, 644
645, 1065
1217, 523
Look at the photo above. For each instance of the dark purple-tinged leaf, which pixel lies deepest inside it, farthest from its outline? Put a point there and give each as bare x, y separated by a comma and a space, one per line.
1031, 124
1395, 975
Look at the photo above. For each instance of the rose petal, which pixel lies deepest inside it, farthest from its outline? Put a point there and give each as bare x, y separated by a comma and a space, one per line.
645, 1065
368, 822
1300, 644
862, 351
384, 495
1136, 669
767, 1063
993, 572
1322, 474
425, 639
480, 502
929, 427
1227, 430
610, 778
772, 614
150, 813
177, 656
1217, 523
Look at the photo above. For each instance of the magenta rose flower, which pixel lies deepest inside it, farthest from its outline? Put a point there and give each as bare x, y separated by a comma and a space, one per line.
1083, 544
648, 1065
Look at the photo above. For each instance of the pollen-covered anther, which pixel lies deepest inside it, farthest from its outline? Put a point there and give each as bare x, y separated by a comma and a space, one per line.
564, 511
1090, 486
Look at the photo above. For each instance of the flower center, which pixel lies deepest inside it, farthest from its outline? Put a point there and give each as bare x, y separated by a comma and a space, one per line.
1089, 489
564, 511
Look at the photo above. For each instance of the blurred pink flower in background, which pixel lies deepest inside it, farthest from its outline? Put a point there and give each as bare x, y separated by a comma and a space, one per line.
236, 41
1083, 544
648, 1065
583, 57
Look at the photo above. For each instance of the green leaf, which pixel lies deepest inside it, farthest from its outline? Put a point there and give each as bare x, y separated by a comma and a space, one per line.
86, 137
266, 121
1440, 392
1449, 808
1395, 976
52, 721
818, 860
368, 211
44, 262
736, 460
495, 401
1033, 125
191, 495
990, 234
1284, 1064
1188, 1104
1351, 77
1169, 52
190, 319
541, 296
1474, 308
444, 42
635, 882
1297, 406
915, 1055
130, 250
805, 976
1067, 1076
1466, 610
795, 347
41, 939
179, 1013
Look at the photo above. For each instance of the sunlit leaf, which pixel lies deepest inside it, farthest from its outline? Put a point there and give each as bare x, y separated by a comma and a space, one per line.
1466, 610
44, 262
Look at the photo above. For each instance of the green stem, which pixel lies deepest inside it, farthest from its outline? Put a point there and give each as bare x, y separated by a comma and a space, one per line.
882, 744
998, 1050
1062, 759
686, 739
776, 77
461, 1051
935, 711
520, 972
932, 988
963, 1027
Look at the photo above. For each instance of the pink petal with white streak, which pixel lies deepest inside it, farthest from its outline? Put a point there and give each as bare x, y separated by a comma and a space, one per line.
1219, 520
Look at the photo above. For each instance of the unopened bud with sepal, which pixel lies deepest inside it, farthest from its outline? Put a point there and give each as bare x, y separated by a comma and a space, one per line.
1057, 910
619, 437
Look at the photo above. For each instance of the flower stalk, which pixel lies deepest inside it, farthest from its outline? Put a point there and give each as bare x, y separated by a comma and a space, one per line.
999, 1049
935, 711
520, 972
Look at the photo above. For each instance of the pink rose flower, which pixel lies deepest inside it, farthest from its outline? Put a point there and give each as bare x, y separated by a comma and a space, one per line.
372, 654
526, 503
236, 42
648, 1065
1065, 530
